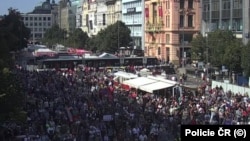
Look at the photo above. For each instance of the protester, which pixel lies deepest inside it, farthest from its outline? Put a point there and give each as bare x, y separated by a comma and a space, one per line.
87, 106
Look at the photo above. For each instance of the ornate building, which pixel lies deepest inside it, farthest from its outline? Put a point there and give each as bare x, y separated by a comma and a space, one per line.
170, 26
98, 14
67, 14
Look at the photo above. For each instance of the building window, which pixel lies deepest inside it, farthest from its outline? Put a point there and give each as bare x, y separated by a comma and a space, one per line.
40, 18
44, 18
35, 24
26, 18
190, 20
167, 4
159, 50
190, 4
154, 13
31, 24
167, 38
49, 18
167, 54
103, 19
35, 18
31, 18
87, 20
168, 21
237, 4
153, 39
215, 6
226, 4
181, 24
182, 3
95, 19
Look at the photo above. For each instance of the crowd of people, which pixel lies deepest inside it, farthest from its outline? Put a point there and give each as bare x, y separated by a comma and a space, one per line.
87, 106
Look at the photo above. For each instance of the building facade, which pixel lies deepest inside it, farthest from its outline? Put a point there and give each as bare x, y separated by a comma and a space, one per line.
92, 18
133, 17
40, 19
114, 11
226, 15
98, 14
85, 16
67, 14
79, 14
170, 26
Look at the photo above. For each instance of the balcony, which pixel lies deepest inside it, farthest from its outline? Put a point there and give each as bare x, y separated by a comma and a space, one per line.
158, 27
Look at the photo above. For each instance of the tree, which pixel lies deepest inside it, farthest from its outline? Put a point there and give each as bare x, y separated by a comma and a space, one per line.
232, 56
198, 48
77, 39
245, 63
54, 35
107, 40
18, 33
218, 41
13, 36
12, 96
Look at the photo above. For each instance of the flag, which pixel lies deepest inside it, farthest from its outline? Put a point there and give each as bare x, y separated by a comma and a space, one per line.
146, 12
160, 11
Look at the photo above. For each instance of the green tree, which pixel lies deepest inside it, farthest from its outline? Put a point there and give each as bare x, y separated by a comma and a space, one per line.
198, 48
15, 30
245, 63
110, 38
13, 36
77, 39
232, 56
11, 96
217, 42
54, 35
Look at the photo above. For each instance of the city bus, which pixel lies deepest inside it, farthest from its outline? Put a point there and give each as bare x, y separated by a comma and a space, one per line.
95, 62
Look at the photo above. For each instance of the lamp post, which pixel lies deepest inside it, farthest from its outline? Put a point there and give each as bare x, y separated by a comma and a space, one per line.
182, 60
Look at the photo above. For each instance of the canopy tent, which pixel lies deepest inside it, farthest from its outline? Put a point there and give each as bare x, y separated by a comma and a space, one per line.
140, 81
107, 55
163, 80
144, 70
44, 52
78, 52
155, 86
125, 75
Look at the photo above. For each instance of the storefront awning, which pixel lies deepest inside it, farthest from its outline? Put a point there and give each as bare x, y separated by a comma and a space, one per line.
155, 86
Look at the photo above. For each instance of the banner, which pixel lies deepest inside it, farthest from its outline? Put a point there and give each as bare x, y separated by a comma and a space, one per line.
146, 12
160, 11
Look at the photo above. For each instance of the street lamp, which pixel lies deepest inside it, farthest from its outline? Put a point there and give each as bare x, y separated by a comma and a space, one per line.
182, 53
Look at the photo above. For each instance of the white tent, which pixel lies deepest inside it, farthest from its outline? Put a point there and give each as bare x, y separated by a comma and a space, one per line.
144, 70
140, 81
125, 75
155, 86
107, 55
162, 79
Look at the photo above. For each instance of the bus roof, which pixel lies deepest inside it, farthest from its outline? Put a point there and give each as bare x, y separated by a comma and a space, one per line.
78, 58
